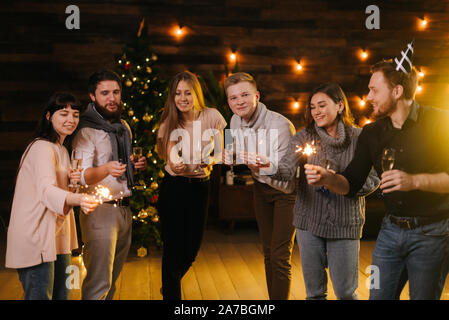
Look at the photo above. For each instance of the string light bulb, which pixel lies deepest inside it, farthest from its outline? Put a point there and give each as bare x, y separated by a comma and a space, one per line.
362, 102
363, 54
233, 56
298, 66
421, 74
418, 89
179, 31
423, 22
296, 105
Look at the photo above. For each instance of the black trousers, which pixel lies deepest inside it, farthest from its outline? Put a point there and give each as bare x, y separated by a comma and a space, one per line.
183, 206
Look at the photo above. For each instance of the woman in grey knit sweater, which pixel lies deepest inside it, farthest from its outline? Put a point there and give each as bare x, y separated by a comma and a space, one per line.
328, 226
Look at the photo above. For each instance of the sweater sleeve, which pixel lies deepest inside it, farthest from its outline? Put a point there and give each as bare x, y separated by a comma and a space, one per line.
286, 168
44, 163
359, 168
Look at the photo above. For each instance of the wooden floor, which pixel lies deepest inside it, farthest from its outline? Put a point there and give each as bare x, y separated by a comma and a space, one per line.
228, 266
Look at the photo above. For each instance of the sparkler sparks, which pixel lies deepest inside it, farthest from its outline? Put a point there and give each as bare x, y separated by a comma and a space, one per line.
308, 150
102, 193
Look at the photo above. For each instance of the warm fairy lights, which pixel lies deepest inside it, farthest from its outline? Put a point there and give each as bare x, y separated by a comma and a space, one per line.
421, 74
296, 105
363, 54
423, 22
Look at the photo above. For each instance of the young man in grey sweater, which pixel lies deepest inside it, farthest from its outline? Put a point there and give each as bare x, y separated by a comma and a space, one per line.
255, 127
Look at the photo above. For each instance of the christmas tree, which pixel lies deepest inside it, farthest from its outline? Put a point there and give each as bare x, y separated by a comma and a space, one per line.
143, 96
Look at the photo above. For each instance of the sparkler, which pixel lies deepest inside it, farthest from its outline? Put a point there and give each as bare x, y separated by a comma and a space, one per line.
308, 150
103, 193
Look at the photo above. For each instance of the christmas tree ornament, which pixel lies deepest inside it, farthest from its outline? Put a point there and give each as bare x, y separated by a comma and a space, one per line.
142, 214
142, 252
151, 211
139, 80
146, 117
161, 174
155, 219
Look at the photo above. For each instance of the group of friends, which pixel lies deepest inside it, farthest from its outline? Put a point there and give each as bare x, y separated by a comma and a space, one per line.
320, 199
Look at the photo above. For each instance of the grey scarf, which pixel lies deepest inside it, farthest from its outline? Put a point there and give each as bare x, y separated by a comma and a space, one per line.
120, 138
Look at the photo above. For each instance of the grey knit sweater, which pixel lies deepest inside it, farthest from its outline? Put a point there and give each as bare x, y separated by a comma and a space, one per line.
317, 210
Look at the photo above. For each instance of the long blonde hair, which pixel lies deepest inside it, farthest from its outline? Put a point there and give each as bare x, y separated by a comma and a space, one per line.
171, 117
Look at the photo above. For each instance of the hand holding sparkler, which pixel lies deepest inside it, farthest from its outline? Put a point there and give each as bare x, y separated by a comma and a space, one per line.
316, 175
88, 204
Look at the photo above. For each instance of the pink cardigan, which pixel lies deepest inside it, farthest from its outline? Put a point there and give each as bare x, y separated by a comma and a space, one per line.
38, 229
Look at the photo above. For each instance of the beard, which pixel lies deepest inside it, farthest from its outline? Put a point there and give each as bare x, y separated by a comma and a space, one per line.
112, 116
388, 108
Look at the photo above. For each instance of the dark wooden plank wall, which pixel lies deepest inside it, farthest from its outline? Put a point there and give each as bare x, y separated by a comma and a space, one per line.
39, 55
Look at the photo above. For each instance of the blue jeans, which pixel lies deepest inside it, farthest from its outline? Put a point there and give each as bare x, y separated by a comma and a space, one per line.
46, 281
419, 255
342, 257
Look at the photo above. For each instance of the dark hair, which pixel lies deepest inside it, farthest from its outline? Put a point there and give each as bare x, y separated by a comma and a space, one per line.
102, 75
58, 101
45, 130
336, 94
409, 81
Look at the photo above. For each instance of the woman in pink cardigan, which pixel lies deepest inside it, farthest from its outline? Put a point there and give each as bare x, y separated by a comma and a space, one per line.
41, 232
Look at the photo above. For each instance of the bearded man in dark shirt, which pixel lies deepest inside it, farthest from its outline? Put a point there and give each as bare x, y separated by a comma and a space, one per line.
413, 242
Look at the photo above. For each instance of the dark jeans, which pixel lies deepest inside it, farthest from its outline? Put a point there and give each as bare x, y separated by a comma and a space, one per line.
420, 254
274, 215
183, 208
46, 281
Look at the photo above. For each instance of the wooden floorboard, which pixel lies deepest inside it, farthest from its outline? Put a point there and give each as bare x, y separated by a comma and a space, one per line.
228, 267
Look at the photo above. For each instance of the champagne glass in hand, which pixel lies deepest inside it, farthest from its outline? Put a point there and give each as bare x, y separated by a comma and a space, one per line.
75, 162
388, 158
137, 154
197, 155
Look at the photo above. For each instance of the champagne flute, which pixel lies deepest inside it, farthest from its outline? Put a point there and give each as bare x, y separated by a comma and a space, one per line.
388, 158
75, 162
197, 154
137, 153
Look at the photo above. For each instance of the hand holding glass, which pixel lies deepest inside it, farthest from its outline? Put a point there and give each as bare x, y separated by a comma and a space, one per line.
75, 162
388, 158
